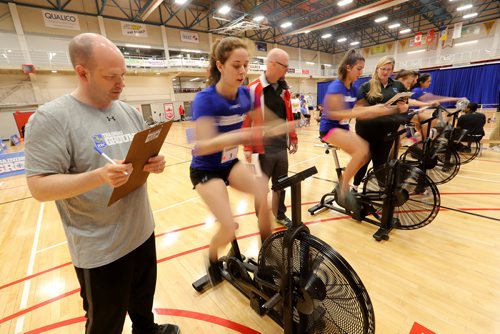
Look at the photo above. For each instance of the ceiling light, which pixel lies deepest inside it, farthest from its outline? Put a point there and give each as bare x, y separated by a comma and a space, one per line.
286, 24
405, 31
327, 65
464, 7
309, 63
224, 10
381, 19
466, 43
140, 46
343, 39
326, 36
354, 43
418, 51
471, 15
307, 31
180, 2
258, 18
54, 71
9, 50
194, 79
395, 25
344, 2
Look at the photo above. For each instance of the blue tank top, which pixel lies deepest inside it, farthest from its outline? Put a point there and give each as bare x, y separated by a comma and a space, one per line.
227, 115
350, 98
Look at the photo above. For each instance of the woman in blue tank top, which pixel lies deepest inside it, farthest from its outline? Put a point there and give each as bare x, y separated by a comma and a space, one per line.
218, 113
339, 103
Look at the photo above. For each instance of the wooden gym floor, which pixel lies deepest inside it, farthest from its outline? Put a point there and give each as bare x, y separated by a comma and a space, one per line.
443, 277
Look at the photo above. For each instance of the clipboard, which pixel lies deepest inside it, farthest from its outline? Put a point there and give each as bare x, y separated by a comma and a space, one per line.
398, 96
145, 144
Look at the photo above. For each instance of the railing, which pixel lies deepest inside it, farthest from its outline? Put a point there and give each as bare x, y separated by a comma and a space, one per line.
55, 60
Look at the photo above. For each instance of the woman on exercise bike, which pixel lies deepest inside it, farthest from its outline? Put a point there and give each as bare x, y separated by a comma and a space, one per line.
218, 113
339, 103
422, 93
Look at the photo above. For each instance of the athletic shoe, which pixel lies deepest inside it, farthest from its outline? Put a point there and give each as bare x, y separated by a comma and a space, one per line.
352, 204
287, 222
166, 329
213, 272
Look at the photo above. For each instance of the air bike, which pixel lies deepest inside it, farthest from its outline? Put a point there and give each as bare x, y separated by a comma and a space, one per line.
397, 195
303, 284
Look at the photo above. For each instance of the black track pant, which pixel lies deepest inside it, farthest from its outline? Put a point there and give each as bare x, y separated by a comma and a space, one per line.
379, 150
125, 285
275, 165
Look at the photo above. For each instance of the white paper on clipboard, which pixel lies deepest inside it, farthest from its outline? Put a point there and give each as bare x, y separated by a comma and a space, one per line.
398, 96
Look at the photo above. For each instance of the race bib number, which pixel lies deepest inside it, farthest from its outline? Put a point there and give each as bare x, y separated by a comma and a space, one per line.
229, 153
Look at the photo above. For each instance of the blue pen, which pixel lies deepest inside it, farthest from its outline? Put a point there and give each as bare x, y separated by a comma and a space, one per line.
107, 158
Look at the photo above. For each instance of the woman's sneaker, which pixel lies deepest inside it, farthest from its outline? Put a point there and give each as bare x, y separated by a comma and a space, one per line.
285, 221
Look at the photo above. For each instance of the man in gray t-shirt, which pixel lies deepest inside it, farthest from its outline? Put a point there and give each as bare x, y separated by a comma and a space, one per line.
112, 248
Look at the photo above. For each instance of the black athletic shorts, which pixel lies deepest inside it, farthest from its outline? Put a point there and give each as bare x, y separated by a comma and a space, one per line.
203, 176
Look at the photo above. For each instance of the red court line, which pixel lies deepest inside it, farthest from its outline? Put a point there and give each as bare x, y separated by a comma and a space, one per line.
457, 193
34, 307
34, 275
240, 215
22, 312
162, 311
208, 318
179, 229
57, 325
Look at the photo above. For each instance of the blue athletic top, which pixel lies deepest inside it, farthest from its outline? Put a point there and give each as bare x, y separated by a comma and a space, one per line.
228, 116
350, 97
417, 93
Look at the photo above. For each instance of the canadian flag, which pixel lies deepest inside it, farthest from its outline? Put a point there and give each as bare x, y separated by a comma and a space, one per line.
418, 39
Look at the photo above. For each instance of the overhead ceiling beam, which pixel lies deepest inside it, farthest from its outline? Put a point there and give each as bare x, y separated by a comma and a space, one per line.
148, 8
351, 15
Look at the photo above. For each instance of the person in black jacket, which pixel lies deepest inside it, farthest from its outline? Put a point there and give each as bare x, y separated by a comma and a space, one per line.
378, 90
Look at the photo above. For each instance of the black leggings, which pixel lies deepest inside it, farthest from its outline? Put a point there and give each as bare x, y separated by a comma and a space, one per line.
379, 150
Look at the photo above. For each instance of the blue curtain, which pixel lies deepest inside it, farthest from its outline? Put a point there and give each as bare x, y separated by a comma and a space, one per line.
479, 84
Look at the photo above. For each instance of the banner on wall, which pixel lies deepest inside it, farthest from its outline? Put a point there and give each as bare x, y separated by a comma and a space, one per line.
418, 39
169, 111
488, 25
430, 37
471, 30
11, 164
190, 37
134, 29
443, 34
457, 30
60, 20
261, 46
376, 49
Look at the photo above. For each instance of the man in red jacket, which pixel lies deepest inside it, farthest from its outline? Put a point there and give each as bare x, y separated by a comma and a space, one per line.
270, 91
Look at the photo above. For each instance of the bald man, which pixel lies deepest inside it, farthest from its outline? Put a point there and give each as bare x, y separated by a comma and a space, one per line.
112, 248
271, 91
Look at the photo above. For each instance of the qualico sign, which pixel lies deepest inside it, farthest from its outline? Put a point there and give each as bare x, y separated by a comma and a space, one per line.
60, 20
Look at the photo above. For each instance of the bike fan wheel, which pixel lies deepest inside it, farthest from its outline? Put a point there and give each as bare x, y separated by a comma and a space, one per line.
328, 295
415, 197
440, 163
468, 150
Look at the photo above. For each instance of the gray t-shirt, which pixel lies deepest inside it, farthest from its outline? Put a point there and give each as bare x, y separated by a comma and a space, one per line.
60, 139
